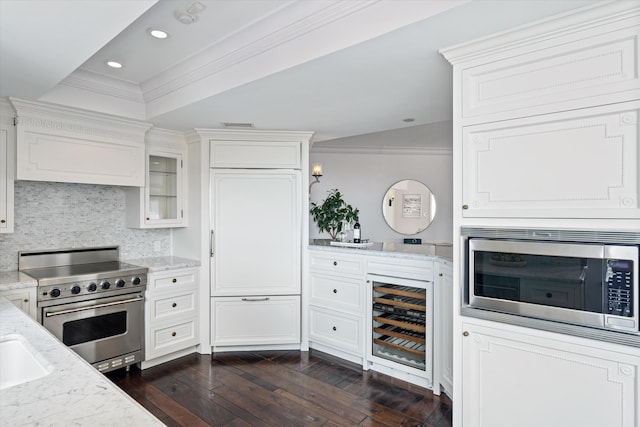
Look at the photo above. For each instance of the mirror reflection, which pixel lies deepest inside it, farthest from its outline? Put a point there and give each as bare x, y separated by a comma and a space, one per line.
408, 207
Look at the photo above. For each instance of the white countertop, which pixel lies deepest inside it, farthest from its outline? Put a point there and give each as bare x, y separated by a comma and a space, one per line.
392, 250
10, 280
162, 263
73, 394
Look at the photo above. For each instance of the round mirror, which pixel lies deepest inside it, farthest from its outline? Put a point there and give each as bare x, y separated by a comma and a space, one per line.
409, 207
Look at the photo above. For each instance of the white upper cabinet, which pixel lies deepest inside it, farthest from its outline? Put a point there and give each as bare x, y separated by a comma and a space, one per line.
161, 202
580, 60
62, 144
255, 154
546, 117
582, 163
7, 145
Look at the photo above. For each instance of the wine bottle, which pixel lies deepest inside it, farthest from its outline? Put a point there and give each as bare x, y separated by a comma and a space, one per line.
356, 232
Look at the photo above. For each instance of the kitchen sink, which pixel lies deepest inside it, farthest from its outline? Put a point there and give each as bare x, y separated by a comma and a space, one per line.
19, 362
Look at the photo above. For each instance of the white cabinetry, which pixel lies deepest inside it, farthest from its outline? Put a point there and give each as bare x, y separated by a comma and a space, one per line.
256, 208
24, 298
171, 315
443, 328
548, 118
571, 164
7, 163
161, 203
337, 304
63, 144
546, 379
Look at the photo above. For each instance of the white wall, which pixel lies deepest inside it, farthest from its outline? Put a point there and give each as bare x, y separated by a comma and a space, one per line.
363, 168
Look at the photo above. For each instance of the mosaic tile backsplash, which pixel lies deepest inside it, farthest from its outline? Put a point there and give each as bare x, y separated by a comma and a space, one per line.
53, 215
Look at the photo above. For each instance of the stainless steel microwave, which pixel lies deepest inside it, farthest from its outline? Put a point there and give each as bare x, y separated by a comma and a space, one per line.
585, 284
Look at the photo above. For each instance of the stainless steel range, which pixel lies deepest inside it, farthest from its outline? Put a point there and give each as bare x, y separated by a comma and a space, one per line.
91, 302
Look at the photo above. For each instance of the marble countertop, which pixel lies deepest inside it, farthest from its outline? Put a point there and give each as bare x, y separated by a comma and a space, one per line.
393, 250
162, 263
73, 394
10, 280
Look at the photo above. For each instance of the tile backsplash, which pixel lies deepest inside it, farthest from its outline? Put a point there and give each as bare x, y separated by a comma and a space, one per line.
53, 215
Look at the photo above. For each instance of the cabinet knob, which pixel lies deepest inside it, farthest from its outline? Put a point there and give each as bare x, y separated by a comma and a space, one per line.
465, 334
25, 300
440, 274
548, 295
465, 206
335, 291
174, 280
147, 219
334, 328
174, 305
173, 334
2, 221
335, 262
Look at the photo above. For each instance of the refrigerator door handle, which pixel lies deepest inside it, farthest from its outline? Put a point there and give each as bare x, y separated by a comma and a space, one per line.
211, 244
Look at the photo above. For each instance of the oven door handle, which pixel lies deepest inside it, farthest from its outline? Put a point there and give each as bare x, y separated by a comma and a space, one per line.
108, 304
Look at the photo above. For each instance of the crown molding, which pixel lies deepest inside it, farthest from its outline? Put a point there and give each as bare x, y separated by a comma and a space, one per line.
103, 85
596, 18
387, 151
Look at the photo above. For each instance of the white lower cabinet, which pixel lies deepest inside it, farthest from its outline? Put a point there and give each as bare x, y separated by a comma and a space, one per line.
443, 328
515, 376
171, 315
255, 321
337, 305
25, 299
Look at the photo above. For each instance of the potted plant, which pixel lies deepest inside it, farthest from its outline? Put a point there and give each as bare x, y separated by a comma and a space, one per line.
333, 213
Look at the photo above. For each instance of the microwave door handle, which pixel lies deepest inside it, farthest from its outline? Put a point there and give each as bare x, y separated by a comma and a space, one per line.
92, 307
583, 275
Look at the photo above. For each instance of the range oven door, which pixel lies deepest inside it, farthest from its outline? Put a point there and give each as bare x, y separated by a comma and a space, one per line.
99, 329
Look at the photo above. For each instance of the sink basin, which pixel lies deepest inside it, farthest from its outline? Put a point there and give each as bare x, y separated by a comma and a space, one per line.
19, 362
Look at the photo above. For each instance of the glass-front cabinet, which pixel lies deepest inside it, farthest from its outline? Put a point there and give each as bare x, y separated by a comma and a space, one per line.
161, 202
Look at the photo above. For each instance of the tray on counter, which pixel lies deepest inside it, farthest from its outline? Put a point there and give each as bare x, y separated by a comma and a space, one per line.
351, 244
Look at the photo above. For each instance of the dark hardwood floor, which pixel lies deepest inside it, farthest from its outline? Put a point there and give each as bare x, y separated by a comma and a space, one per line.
279, 388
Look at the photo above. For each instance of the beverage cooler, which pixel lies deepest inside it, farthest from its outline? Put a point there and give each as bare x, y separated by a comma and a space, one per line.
401, 338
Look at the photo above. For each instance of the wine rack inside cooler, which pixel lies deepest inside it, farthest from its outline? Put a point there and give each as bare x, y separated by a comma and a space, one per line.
399, 324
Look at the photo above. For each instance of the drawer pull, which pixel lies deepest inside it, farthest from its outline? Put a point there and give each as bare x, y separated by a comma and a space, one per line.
174, 280
2, 221
174, 305
465, 207
25, 300
548, 294
335, 291
465, 334
334, 328
335, 262
173, 334
256, 299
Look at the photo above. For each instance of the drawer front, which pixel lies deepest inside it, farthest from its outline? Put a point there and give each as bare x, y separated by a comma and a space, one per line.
165, 307
172, 280
398, 267
338, 264
336, 329
255, 320
167, 339
338, 293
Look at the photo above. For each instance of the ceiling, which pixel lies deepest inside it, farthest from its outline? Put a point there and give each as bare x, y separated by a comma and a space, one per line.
338, 68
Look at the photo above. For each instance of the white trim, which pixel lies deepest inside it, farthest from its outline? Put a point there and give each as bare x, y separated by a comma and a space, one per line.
387, 151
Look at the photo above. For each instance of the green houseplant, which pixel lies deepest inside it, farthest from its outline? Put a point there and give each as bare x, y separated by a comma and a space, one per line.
333, 213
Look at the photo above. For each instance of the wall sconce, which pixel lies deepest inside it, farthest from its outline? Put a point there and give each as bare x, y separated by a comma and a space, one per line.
316, 172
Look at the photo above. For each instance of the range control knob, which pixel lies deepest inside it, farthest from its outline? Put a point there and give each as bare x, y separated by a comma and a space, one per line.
136, 280
55, 292
105, 285
92, 287
75, 289
120, 283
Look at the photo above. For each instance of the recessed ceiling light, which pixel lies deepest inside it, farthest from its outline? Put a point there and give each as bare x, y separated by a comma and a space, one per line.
114, 64
157, 33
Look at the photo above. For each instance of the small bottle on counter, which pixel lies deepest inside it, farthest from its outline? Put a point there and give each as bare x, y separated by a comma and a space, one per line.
356, 232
